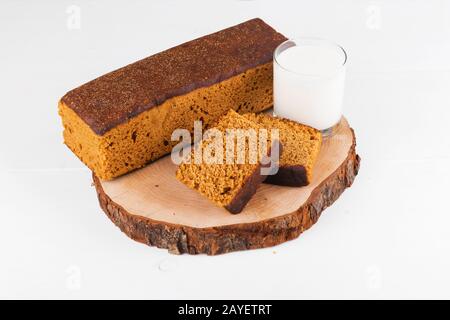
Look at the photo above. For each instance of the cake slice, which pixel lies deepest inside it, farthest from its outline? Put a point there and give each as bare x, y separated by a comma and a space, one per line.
231, 183
301, 146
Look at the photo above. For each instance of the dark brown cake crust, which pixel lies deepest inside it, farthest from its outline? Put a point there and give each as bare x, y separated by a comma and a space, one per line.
246, 193
291, 176
218, 240
120, 95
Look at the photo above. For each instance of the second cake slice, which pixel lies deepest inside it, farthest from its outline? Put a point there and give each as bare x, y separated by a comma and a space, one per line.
229, 184
301, 146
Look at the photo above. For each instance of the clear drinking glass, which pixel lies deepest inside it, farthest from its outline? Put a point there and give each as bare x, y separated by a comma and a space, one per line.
309, 77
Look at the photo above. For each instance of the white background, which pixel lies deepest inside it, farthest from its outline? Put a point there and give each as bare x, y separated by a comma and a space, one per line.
386, 237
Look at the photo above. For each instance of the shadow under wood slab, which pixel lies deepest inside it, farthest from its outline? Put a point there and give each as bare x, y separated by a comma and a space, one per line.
151, 206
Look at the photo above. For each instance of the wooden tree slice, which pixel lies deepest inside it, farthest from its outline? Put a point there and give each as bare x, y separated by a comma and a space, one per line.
151, 206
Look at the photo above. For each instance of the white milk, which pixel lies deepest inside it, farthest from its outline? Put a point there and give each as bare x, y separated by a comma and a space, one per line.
309, 82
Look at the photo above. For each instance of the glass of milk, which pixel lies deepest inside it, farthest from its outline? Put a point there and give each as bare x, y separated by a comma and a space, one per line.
309, 76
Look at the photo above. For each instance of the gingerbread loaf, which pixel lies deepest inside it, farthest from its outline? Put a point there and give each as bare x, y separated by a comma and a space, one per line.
123, 120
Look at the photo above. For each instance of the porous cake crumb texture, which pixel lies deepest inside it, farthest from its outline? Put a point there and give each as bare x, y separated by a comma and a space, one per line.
301, 143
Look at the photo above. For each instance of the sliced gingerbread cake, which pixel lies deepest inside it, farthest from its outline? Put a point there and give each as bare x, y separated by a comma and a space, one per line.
229, 184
